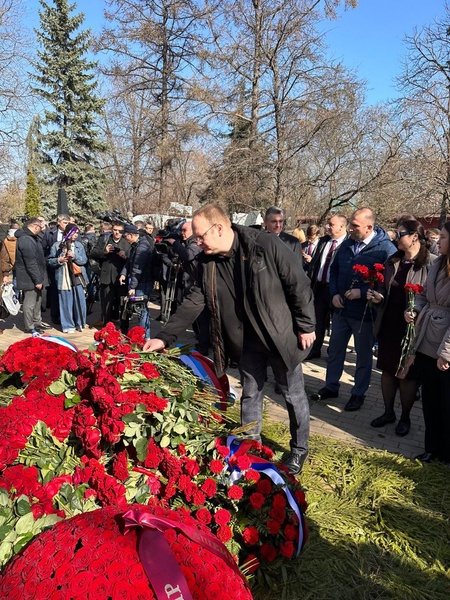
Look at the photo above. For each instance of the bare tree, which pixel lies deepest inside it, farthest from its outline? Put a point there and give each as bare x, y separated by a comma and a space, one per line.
154, 47
425, 82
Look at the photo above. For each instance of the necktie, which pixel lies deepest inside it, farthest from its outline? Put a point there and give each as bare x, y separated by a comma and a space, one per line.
358, 247
310, 248
326, 266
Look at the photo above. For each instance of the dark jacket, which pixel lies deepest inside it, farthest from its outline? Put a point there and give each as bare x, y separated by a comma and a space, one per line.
282, 293
314, 265
187, 250
30, 260
138, 268
111, 264
342, 276
49, 238
293, 243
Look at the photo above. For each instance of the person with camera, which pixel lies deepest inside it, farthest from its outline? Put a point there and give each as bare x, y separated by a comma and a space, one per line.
68, 258
111, 252
187, 249
137, 272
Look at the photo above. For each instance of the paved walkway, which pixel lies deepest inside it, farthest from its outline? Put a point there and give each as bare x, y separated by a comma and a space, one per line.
328, 418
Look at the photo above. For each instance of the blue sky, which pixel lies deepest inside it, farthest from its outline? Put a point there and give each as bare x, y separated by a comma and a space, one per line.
368, 39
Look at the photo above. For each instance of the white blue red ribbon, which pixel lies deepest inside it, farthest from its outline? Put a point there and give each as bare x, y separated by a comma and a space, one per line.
56, 340
264, 466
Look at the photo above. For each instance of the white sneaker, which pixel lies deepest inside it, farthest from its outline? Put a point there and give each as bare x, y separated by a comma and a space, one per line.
71, 330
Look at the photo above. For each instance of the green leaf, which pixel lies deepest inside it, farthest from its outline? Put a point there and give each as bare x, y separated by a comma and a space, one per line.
188, 392
24, 524
23, 506
57, 388
21, 541
72, 401
180, 428
141, 446
165, 441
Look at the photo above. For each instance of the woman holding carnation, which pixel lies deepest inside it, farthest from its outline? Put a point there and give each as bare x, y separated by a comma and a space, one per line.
432, 343
68, 259
409, 265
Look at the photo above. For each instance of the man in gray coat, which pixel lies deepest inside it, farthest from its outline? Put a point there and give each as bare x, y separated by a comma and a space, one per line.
261, 312
30, 269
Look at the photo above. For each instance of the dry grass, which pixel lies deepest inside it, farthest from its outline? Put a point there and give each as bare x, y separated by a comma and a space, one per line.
379, 526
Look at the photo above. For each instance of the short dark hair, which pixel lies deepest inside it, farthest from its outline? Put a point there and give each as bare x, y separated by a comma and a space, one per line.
32, 221
274, 210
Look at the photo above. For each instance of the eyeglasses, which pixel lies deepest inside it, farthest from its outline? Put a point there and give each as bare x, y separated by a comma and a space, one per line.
200, 238
401, 234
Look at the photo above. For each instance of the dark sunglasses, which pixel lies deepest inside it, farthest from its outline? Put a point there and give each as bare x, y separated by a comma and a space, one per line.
401, 234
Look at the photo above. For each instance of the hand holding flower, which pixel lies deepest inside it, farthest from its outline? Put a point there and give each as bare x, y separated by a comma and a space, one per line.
353, 294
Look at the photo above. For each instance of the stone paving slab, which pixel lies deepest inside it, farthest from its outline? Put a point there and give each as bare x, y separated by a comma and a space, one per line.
328, 418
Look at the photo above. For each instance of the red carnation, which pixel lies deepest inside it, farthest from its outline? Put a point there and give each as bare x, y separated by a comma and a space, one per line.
252, 475
224, 533
291, 532
222, 516
209, 487
257, 500
287, 549
378, 267
273, 527
264, 486
204, 516
235, 492
216, 466
268, 552
243, 462
250, 535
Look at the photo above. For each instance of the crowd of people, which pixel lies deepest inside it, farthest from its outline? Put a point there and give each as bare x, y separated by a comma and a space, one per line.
259, 297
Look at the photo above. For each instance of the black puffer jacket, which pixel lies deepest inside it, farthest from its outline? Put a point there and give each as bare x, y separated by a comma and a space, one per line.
282, 293
138, 268
30, 260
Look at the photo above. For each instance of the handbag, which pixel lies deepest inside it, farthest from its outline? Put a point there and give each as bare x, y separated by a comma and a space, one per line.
76, 270
9, 299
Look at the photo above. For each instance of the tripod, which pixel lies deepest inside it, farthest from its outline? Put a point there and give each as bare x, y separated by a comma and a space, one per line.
169, 297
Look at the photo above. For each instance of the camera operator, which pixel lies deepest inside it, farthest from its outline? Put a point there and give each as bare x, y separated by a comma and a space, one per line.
187, 249
137, 271
111, 252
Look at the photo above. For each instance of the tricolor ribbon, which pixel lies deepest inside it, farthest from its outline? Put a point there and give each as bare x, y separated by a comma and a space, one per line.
56, 340
240, 447
203, 367
161, 568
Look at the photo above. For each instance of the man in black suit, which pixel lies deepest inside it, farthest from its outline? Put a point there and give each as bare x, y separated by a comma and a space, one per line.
274, 223
319, 273
52, 235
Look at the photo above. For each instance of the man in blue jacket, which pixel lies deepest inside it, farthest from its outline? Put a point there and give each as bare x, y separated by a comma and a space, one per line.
367, 245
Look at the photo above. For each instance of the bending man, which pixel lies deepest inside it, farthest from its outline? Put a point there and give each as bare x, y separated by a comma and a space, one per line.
262, 312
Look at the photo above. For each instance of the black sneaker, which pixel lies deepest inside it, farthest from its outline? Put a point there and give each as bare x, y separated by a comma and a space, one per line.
43, 326
294, 462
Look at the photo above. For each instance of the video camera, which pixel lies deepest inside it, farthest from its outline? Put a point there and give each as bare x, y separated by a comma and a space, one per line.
133, 305
112, 216
171, 230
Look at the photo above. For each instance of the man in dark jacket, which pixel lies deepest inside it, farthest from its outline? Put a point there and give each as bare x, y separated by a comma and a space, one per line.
137, 271
111, 252
261, 311
30, 268
367, 245
319, 273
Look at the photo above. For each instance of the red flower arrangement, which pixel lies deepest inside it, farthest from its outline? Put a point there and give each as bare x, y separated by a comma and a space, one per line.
107, 428
407, 347
93, 556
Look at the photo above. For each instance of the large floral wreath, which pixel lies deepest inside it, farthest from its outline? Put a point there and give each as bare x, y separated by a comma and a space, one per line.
112, 426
